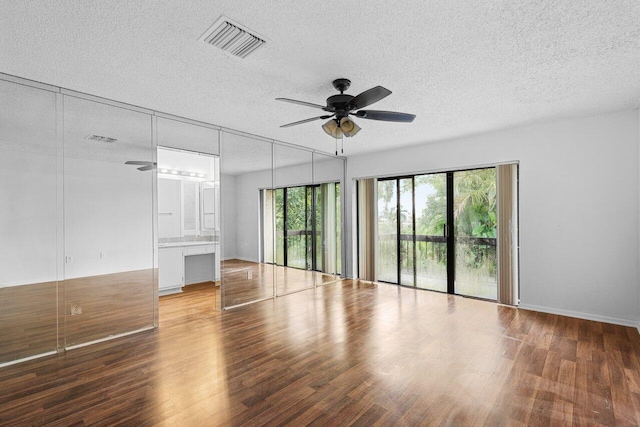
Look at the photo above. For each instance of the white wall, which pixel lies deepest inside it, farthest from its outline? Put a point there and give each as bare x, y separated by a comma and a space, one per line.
108, 209
28, 253
579, 207
228, 209
248, 213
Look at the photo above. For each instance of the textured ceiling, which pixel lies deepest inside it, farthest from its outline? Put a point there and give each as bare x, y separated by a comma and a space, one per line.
461, 67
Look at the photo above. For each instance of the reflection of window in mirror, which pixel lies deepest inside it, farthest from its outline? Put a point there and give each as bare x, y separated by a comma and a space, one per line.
301, 227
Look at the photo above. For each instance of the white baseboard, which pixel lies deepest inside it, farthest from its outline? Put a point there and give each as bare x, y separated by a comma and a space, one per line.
580, 315
240, 259
169, 291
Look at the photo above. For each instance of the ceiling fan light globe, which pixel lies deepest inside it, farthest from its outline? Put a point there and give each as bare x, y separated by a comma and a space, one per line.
332, 129
349, 127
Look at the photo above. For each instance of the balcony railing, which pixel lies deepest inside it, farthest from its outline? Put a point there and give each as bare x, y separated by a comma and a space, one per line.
475, 262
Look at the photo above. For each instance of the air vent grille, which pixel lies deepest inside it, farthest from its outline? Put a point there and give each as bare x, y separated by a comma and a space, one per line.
99, 138
231, 37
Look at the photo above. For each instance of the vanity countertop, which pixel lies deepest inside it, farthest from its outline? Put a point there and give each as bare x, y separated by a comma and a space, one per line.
177, 244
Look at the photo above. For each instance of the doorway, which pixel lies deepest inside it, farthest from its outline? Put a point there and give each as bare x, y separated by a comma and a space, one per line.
188, 219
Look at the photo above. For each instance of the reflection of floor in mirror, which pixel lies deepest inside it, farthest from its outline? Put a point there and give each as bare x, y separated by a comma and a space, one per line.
245, 281
103, 305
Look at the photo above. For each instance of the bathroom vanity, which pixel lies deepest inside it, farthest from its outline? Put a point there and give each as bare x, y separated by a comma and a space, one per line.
184, 263
188, 219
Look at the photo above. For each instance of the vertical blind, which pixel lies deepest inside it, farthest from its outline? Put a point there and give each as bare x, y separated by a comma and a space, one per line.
366, 229
507, 234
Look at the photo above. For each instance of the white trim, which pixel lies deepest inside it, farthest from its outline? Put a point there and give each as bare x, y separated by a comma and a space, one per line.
580, 315
110, 337
241, 259
106, 101
26, 359
458, 168
185, 120
27, 82
170, 291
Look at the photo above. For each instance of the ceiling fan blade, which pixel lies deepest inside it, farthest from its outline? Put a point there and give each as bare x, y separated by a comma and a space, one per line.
147, 168
306, 120
307, 104
138, 162
368, 97
387, 116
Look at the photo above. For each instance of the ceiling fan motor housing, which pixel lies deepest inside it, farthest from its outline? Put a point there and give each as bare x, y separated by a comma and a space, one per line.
338, 103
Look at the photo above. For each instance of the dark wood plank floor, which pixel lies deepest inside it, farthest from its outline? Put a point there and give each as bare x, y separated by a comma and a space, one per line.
349, 353
239, 289
31, 316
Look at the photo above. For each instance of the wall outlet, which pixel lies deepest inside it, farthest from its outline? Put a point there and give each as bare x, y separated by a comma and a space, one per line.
249, 274
68, 259
76, 308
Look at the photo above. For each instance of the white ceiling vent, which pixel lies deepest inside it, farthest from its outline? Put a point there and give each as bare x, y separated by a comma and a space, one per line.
232, 37
101, 138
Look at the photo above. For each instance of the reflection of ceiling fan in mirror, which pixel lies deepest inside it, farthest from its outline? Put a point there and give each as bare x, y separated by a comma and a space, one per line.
342, 105
146, 166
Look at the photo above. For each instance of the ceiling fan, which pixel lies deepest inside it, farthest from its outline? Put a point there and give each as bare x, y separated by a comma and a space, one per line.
342, 105
146, 166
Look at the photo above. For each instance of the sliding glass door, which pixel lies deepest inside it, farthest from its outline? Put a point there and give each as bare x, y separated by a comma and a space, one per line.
297, 228
431, 223
475, 231
387, 254
418, 247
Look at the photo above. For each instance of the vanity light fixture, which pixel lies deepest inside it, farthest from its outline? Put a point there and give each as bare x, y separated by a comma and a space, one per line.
189, 174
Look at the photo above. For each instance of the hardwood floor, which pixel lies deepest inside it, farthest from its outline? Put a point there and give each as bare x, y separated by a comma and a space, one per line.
238, 288
348, 353
111, 304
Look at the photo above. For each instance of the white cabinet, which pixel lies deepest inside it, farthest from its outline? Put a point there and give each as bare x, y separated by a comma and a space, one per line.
171, 270
210, 200
185, 263
169, 208
190, 211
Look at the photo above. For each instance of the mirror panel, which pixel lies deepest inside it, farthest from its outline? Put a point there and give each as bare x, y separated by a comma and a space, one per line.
108, 217
186, 136
108, 206
328, 178
294, 212
28, 222
188, 221
246, 202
